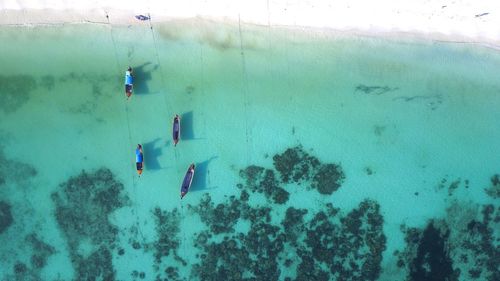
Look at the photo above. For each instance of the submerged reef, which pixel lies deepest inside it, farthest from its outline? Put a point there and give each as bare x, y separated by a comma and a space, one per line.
83, 204
320, 246
6, 219
261, 180
426, 256
15, 91
293, 166
348, 246
220, 218
298, 166
167, 230
461, 246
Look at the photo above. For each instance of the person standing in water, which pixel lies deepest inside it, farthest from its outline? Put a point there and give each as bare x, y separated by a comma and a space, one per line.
129, 82
139, 159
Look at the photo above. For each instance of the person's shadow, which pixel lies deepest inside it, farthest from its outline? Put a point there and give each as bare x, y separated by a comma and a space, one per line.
142, 77
151, 155
200, 180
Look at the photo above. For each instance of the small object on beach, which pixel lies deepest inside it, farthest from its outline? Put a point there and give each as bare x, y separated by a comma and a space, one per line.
142, 17
483, 14
188, 179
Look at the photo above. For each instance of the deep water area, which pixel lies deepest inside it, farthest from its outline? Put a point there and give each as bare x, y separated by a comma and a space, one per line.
319, 156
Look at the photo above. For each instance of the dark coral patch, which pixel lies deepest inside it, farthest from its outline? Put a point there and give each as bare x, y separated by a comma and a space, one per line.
295, 165
261, 180
328, 178
359, 239
167, 228
325, 248
220, 218
293, 224
432, 261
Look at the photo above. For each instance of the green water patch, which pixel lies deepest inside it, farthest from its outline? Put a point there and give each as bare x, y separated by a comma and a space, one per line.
13, 172
462, 246
40, 252
15, 91
83, 204
6, 219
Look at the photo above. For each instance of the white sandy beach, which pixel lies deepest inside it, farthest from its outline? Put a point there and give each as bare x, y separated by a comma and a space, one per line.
449, 20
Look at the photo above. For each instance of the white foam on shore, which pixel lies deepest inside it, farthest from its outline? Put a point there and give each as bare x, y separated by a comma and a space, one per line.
449, 20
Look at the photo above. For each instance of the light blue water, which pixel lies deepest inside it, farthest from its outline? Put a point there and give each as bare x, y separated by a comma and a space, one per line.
413, 126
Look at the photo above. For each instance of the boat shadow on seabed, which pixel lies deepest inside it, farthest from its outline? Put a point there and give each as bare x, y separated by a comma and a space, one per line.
142, 74
201, 180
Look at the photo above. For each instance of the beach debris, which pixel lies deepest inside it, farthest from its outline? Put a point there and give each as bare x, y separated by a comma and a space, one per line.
143, 17
481, 15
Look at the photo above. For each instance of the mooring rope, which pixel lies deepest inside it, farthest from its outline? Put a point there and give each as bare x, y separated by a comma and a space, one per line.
169, 109
131, 144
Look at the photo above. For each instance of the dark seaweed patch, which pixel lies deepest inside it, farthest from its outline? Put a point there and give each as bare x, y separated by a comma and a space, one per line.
41, 251
15, 91
83, 205
375, 90
48, 82
19, 175
494, 190
6, 219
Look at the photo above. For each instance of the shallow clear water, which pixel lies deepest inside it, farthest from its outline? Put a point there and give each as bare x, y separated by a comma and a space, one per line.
413, 127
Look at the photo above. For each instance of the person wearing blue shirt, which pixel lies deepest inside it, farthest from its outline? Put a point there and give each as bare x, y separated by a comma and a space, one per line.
139, 158
129, 81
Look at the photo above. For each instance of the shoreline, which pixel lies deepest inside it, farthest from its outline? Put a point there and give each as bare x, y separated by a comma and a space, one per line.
393, 22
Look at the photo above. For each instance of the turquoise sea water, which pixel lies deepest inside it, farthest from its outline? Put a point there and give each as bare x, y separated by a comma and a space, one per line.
319, 156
